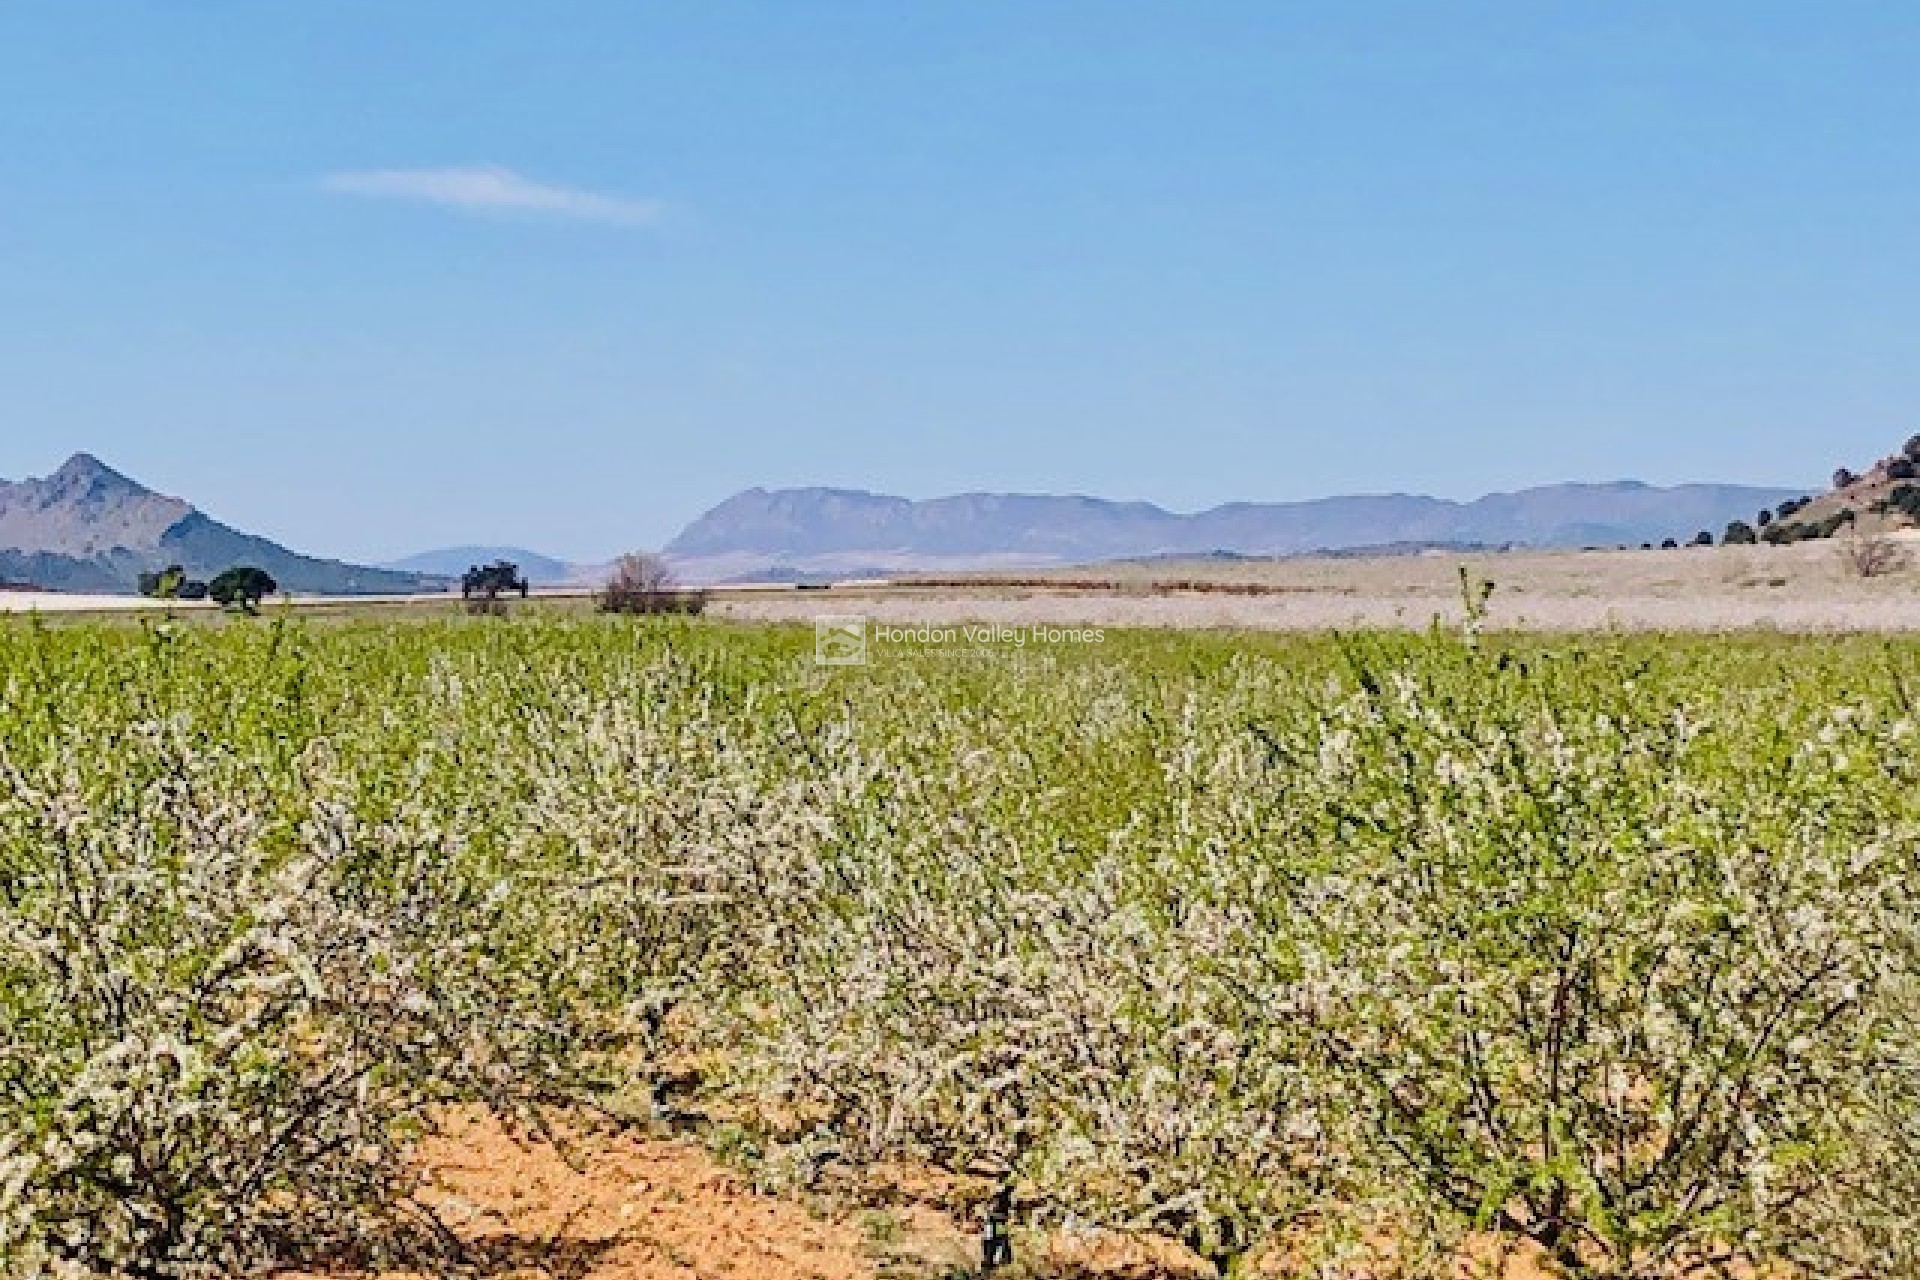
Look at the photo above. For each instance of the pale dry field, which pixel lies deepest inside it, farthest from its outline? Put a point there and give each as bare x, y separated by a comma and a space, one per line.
1809, 587
60, 602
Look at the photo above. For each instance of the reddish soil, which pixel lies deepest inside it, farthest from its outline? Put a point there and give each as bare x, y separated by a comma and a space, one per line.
615, 1205
619, 1207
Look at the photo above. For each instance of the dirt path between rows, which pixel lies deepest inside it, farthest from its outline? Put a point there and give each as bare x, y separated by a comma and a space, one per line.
617, 1205
620, 1207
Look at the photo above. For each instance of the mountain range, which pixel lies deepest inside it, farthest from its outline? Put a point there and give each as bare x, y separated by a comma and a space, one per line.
782, 532
86, 527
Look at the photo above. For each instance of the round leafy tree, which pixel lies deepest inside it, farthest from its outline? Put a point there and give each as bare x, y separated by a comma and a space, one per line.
242, 587
491, 581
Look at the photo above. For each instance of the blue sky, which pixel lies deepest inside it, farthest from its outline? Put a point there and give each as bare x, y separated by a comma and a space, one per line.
371, 277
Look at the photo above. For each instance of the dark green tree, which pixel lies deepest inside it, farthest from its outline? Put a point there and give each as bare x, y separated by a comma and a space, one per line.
242, 587
1905, 500
164, 584
491, 581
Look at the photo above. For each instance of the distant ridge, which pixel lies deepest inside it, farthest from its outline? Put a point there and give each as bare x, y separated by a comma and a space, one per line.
87, 527
825, 530
451, 562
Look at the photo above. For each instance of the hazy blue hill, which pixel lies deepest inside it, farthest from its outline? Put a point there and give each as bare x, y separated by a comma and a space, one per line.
451, 562
106, 573
206, 546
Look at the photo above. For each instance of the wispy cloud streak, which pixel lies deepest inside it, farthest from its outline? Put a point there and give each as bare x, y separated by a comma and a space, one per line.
491, 189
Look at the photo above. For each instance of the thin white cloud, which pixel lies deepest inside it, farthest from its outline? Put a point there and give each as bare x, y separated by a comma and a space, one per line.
491, 189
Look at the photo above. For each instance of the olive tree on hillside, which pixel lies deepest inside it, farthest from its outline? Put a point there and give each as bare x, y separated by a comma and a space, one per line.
1871, 553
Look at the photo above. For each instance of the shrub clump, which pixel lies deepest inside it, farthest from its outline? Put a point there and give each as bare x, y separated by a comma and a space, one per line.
643, 583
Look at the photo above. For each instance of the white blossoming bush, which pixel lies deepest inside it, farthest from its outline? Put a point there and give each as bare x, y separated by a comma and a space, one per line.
1599, 968
226, 1008
1865, 1219
1041, 986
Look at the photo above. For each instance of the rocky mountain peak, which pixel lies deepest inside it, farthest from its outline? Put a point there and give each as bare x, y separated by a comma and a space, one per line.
88, 527
83, 471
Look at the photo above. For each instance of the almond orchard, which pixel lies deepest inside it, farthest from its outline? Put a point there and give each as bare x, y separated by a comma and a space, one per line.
1297, 951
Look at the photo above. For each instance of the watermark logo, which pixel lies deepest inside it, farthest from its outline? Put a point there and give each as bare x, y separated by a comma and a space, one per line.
840, 640
852, 640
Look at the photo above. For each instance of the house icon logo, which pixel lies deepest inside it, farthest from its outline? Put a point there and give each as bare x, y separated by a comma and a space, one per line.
840, 640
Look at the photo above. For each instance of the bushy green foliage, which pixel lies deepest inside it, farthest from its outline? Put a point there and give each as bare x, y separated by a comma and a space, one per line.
491, 581
1790, 531
242, 587
1903, 499
171, 583
162, 584
1604, 943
